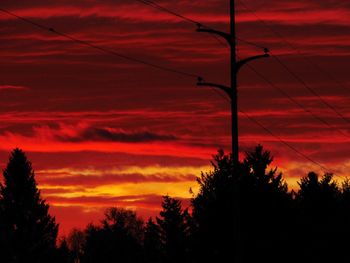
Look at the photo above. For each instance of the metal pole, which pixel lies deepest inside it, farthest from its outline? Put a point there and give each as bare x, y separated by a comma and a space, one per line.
235, 141
234, 103
232, 93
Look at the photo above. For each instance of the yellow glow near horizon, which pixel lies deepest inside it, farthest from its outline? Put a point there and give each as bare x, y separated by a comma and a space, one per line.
146, 170
178, 189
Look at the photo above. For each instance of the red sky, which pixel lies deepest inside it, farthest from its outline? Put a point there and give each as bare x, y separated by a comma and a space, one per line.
102, 131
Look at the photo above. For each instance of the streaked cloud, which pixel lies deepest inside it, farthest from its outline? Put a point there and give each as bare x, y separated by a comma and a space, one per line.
105, 134
12, 87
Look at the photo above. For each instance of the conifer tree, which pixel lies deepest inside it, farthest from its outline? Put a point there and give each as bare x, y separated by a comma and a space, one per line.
174, 230
27, 231
249, 203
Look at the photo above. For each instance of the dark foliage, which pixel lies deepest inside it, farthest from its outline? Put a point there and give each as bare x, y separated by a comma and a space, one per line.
322, 213
64, 253
118, 239
243, 212
260, 198
27, 231
153, 246
174, 230
213, 212
265, 209
76, 243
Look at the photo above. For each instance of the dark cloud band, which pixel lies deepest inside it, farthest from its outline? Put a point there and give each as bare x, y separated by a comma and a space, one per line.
105, 135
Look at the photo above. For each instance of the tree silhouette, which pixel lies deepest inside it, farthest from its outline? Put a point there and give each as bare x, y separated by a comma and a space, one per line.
76, 242
152, 243
118, 239
64, 254
307, 225
343, 223
319, 219
28, 233
174, 230
213, 212
264, 206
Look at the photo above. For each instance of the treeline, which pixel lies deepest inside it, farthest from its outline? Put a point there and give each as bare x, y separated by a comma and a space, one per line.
244, 213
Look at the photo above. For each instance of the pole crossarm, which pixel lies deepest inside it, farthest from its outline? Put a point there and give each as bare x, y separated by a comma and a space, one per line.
224, 35
242, 62
235, 66
232, 92
224, 88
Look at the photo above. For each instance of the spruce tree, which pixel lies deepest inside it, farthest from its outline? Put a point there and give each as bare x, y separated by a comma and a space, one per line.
174, 230
27, 231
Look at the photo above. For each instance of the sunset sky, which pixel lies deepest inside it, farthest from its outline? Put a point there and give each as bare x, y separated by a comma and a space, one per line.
102, 131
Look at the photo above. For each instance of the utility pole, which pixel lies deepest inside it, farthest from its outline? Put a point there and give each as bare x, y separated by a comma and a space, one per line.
232, 94
234, 99
234, 70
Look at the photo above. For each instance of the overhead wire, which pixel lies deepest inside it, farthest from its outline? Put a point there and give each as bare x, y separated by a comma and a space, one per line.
291, 147
283, 141
112, 52
297, 103
311, 90
162, 8
291, 72
97, 47
292, 46
167, 10
192, 21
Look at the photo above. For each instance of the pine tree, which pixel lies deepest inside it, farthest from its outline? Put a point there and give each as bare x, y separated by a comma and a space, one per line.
319, 213
27, 231
174, 230
213, 212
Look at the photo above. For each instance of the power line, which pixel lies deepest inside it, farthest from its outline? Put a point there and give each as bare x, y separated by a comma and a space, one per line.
251, 43
334, 109
107, 50
296, 102
112, 52
150, 3
167, 10
221, 95
290, 146
277, 137
325, 169
284, 142
291, 46
192, 21
102, 49
327, 104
